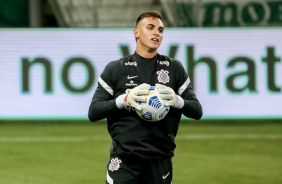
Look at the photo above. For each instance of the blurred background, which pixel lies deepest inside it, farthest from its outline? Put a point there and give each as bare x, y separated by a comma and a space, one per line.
116, 14
53, 51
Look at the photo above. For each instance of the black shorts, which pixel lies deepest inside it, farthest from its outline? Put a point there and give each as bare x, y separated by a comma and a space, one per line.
121, 171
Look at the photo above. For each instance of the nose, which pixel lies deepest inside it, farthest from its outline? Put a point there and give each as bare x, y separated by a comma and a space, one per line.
156, 32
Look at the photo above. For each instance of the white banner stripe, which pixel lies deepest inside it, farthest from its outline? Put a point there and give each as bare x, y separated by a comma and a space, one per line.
54, 67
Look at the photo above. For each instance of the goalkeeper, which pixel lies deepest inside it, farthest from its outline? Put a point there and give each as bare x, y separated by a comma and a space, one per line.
141, 151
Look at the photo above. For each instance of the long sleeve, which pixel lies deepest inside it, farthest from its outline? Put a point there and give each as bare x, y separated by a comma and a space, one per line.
101, 105
192, 107
103, 100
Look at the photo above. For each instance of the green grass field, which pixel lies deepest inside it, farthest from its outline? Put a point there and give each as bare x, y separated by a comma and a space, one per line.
208, 152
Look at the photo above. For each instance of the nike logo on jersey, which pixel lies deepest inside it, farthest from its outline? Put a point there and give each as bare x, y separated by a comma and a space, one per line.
131, 77
164, 177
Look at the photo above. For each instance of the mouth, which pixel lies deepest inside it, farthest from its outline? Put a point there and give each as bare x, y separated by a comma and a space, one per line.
155, 40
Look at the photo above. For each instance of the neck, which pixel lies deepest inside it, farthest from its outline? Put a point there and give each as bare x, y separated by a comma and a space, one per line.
146, 53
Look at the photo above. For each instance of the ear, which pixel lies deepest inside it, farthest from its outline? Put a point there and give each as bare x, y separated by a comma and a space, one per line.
136, 33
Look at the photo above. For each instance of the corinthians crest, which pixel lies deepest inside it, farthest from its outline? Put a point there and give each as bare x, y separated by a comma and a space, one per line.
115, 164
163, 76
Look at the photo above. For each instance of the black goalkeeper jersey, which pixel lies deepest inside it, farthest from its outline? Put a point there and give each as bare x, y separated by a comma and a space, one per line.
133, 137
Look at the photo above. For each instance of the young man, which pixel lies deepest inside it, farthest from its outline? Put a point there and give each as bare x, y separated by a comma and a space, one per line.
141, 151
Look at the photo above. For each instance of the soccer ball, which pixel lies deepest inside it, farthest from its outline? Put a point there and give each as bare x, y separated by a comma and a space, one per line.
154, 109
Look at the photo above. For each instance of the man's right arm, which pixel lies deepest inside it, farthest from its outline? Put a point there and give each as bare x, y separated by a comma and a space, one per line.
101, 105
103, 102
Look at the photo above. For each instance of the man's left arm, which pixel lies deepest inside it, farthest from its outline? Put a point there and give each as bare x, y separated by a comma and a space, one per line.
192, 107
185, 100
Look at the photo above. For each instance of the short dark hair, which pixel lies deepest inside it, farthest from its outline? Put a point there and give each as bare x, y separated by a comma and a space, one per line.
155, 14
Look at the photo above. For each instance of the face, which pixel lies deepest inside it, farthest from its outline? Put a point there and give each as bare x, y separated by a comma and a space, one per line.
149, 33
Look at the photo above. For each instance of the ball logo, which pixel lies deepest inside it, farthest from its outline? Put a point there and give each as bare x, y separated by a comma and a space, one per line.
155, 102
153, 109
162, 115
147, 116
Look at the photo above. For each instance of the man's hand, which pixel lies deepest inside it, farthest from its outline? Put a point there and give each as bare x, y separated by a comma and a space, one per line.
121, 101
135, 95
171, 99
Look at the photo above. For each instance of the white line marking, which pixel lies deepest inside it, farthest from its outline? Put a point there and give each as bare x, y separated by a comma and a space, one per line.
53, 139
229, 136
107, 138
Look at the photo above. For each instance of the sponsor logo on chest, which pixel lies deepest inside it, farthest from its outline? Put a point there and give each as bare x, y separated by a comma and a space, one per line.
134, 63
131, 83
163, 62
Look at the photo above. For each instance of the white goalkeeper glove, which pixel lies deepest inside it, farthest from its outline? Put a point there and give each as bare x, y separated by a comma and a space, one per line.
171, 99
136, 96
121, 101
133, 97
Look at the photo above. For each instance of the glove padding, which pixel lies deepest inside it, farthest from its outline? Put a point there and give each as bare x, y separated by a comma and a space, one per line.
171, 99
136, 95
